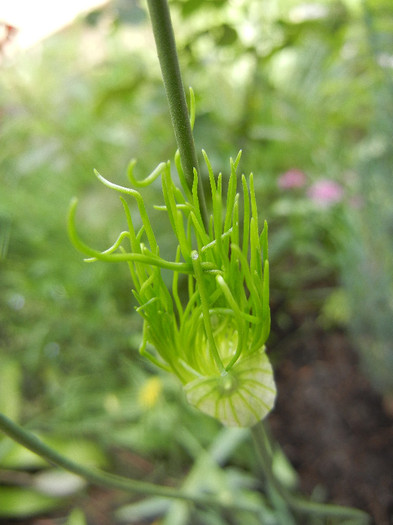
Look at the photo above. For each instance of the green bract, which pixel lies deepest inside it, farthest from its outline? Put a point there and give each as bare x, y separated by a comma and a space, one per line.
213, 340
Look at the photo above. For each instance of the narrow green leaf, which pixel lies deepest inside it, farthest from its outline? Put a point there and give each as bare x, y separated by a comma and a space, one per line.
246, 217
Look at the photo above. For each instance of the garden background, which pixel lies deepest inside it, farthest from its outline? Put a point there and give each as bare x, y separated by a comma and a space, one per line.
306, 91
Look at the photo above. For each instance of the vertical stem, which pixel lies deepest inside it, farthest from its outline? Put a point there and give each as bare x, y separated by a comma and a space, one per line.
170, 69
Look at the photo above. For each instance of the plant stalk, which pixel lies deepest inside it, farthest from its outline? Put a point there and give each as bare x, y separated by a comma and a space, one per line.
167, 55
111, 481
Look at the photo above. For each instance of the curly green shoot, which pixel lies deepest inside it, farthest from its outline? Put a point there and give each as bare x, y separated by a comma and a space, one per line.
214, 340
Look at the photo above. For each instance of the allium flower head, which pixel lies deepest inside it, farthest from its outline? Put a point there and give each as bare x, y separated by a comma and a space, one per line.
214, 339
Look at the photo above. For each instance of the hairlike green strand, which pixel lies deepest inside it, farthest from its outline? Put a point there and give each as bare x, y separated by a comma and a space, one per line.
214, 339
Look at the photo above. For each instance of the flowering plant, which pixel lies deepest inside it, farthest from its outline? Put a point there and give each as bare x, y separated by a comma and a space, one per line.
214, 341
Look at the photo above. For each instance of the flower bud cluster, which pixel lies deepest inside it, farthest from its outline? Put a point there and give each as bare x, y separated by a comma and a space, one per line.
213, 336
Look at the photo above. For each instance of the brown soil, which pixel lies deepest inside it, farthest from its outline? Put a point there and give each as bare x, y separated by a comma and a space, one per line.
333, 427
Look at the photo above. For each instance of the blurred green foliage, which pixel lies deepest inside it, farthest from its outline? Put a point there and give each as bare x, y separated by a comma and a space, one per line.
297, 86
367, 250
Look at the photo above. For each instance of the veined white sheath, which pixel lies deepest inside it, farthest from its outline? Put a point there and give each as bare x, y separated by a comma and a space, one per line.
241, 397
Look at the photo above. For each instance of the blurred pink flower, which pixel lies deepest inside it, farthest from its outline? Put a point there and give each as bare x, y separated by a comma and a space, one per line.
325, 192
292, 179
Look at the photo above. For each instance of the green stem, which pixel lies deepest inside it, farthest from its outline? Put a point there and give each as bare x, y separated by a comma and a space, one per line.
297, 504
111, 481
170, 69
